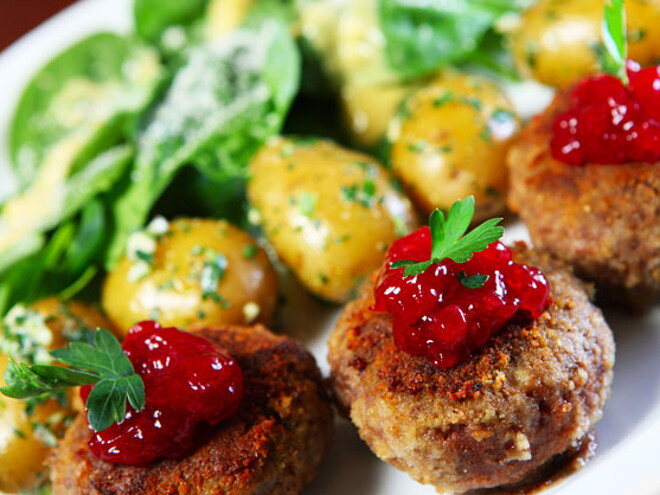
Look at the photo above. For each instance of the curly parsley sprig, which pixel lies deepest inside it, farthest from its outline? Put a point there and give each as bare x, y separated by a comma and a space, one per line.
449, 238
615, 40
102, 364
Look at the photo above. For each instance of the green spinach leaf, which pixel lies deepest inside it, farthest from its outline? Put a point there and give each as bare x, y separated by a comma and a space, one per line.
154, 17
223, 104
79, 104
421, 36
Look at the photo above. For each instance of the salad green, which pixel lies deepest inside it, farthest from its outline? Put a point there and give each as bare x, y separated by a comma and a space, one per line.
421, 36
114, 124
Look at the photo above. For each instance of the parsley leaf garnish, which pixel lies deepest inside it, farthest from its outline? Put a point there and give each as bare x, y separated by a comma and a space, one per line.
449, 238
614, 40
475, 281
102, 364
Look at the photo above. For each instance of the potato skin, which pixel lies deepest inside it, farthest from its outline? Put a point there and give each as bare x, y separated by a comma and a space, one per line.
368, 110
450, 141
329, 213
66, 317
172, 292
558, 41
22, 453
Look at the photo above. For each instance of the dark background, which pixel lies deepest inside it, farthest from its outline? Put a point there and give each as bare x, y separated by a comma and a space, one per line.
17, 17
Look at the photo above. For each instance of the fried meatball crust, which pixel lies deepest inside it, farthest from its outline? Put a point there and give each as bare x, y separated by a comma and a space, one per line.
604, 220
534, 392
273, 445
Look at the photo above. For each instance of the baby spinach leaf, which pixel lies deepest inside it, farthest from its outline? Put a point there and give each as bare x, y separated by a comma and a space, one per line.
153, 17
222, 105
421, 36
54, 198
80, 103
34, 262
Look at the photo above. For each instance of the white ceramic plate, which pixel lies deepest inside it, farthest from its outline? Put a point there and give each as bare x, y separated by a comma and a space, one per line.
626, 461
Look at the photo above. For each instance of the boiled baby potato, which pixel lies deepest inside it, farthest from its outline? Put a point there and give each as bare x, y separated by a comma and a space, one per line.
558, 42
224, 16
329, 213
450, 141
191, 271
22, 453
368, 110
28, 433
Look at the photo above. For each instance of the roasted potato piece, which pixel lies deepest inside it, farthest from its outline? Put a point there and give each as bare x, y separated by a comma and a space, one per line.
450, 141
191, 271
330, 213
558, 41
29, 429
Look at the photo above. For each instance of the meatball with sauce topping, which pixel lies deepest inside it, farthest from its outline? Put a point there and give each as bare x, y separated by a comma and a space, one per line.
531, 394
586, 182
274, 444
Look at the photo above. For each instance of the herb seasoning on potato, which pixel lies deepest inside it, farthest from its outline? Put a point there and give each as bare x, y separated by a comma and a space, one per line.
191, 271
450, 141
330, 213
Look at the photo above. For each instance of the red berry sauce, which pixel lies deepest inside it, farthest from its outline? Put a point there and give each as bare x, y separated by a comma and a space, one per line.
187, 379
609, 123
436, 316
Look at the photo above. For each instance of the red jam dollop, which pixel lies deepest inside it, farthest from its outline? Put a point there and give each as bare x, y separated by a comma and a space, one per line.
437, 316
609, 123
187, 380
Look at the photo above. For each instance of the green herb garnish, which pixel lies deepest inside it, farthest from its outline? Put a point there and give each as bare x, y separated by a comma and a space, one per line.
363, 194
102, 364
306, 202
475, 281
212, 272
614, 40
250, 251
449, 238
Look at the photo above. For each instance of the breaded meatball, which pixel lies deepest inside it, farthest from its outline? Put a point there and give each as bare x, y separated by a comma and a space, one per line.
534, 392
274, 444
602, 219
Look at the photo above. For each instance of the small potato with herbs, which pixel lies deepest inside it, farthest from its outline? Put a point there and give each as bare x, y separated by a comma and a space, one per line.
368, 110
558, 41
450, 141
330, 213
191, 271
29, 429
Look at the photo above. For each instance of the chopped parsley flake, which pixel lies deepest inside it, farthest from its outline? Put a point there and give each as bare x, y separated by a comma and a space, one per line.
417, 147
501, 116
306, 202
25, 336
473, 102
368, 168
445, 98
250, 251
212, 273
475, 281
363, 194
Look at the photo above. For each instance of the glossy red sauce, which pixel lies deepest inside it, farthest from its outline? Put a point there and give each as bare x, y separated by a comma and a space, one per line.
187, 379
609, 123
437, 316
